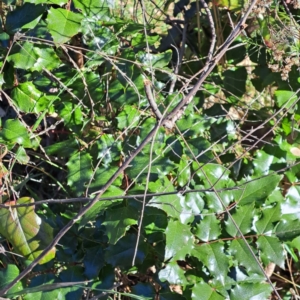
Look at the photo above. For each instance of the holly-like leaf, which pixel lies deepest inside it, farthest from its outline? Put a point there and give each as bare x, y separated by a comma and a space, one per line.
208, 229
259, 291
258, 190
122, 253
203, 291
266, 223
26, 96
25, 16
79, 172
271, 250
128, 117
287, 98
179, 240
213, 257
244, 257
15, 132
7, 275
63, 24
33, 57
118, 221
93, 261
172, 273
243, 217
25, 230
184, 171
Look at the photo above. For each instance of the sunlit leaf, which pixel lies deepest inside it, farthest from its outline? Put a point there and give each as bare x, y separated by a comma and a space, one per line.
25, 230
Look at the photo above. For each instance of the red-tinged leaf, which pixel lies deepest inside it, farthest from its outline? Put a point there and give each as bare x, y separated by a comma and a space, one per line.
25, 230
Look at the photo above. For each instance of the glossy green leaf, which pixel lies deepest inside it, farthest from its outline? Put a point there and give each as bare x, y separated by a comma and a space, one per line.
203, 291
128, 118
286, 98
7, 275
184, 171
79, 172
242, 254
100, 207
26, 97
208, 229
271, 250
21, 156
29, 56
259, 291
118, 221
243, 218
63, 24
155, 60
179, 240
15, 132
288, 229
213, 257
257, 190
25, 16
172, 273
58, 2
94, 8
93, 261
25, 230
269, 216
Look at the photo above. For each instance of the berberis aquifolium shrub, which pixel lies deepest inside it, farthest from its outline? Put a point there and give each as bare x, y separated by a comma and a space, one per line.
149, 149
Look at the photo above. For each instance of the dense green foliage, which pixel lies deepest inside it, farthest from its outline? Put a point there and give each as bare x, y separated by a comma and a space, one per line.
207, 207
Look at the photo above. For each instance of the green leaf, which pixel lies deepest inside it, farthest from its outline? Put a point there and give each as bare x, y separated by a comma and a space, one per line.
155, 60
269, 216
122, 253
203, 291
100, 207
235, 83
63, 24
7, 275
29, 56
184, 208
118, 221
257, 190
25, 230
15, 132
286, 98
26, 97
288, 229
93, 261
94, 8
25, 16
58, 2
243, 217
213, 257
257, 291
128, 117
71, 114
179, 240
79, 172
155, 220
242, 254
21, 156
271, 250
208, 229
172, 273
184, 171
